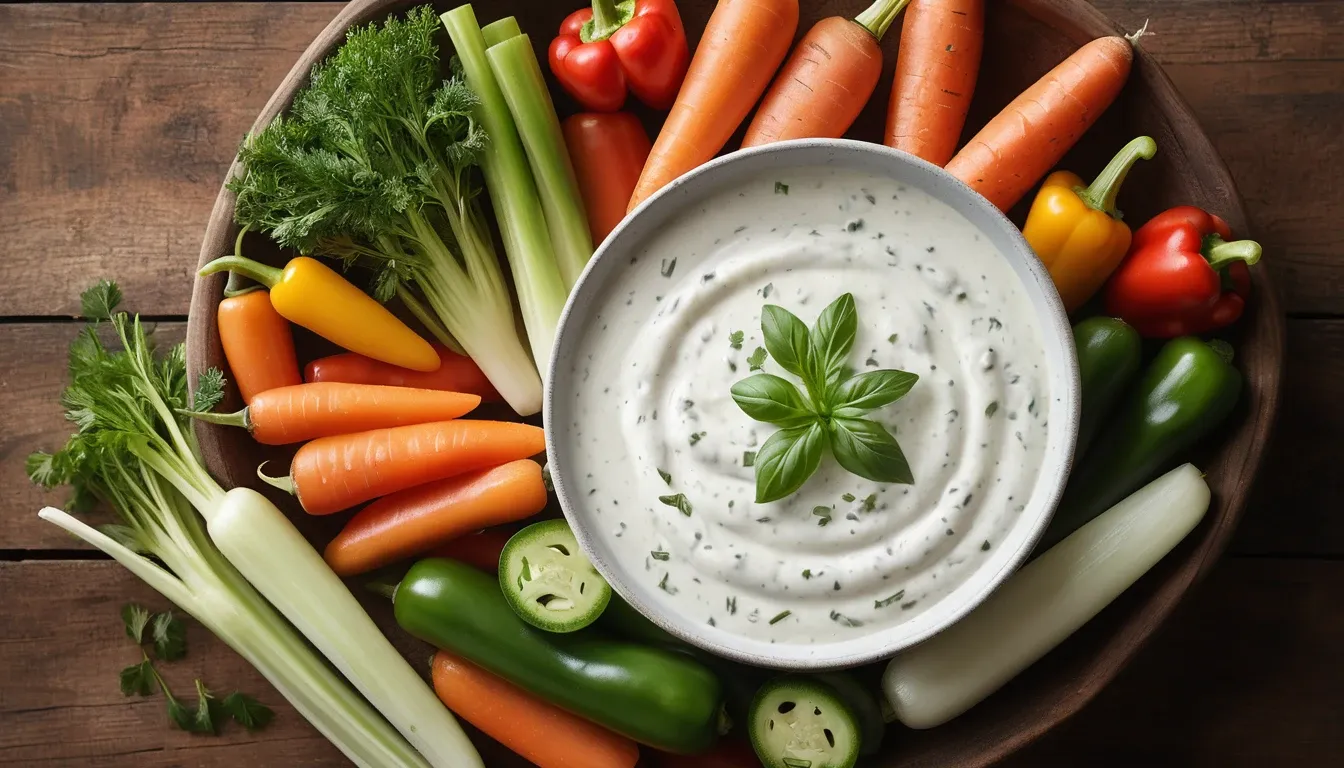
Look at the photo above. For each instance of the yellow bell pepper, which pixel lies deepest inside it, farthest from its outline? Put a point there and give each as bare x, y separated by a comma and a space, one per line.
1077, 232
310, 294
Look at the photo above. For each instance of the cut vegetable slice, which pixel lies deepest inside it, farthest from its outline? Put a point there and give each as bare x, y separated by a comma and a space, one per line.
548, 581
801, 722
863, 704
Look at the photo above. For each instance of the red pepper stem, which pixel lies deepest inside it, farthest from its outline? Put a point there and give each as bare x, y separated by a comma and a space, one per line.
608, 17
262, 273
879, 16
1101, 194
1220, 253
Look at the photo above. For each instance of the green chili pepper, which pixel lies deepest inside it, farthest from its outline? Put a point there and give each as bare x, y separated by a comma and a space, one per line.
654, 696
1187, 391
1109, 353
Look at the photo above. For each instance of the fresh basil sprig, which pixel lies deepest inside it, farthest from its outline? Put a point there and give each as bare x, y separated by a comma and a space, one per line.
832, 410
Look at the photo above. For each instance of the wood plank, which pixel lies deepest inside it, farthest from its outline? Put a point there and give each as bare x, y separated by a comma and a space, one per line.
1179, 704
118, 121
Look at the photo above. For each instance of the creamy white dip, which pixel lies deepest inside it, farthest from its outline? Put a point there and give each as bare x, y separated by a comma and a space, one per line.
844, 556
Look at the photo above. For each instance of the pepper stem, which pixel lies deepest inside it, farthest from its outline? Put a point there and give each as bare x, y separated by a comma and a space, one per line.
384, 589
285, 483
608, 16
235, 419
1101, 194
879, 16
235, 286
262, 273
1220, 252
1222, 349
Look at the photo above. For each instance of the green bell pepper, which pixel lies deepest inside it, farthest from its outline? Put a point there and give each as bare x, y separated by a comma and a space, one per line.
654, 696
1187, 391
1109, 353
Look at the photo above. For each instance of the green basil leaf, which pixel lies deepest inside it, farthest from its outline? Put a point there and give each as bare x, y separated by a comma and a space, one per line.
787, 459
786, 339
873, 389
831, 339
868, 450
769, 398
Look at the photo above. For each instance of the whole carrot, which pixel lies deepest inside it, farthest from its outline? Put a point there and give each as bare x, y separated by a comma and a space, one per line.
743, 44
480, 549
330, 474
306, 411
416, 520
823, 86
608, 150
1010, 154
456, 373
936, 69
257, 343
540, 732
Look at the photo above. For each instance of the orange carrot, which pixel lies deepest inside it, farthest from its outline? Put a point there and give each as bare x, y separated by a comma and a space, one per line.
456, 373
257, 343
743, 44
936, 69
1010, 154
335, 473
540, 732
823, 86
322, 409
608, 150
480, 550
418, 519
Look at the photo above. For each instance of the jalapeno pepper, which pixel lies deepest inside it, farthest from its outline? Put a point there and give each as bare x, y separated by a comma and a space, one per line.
1187, 391
1109, 354
311, 294
548, 581
802, 722
654, 696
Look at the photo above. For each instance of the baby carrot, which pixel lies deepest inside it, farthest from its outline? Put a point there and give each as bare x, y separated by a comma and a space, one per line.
456, 373
823, 86
335, 473
418, 519
540, 732
1010, 154
322, 409
480, 549
936, 69
257, 343
743, 44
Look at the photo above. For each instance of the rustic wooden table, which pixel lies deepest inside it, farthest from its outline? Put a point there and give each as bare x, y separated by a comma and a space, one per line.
117, 122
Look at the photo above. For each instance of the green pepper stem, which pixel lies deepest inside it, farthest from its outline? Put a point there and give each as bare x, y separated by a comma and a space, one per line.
877, 19
266, 275
235, 286
382, 588
285, 483
1101, 194
608, 16
1222, 349
1220, 252
235, 419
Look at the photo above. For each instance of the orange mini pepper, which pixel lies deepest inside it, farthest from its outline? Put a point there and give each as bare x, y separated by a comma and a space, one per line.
1076, 230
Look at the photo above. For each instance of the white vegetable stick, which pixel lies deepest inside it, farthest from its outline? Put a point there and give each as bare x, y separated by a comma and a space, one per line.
1045, 602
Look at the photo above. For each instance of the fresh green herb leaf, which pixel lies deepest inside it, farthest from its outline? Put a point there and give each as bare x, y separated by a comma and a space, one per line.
203, 721
137, 679
748, 458
872, 390
769, 398
756, 361
781, 188
831, 338
697, 437
178, 715
170, 636
782, 615
807, 573
135, 617
848, 497
247, 711
786, 338
668, 267
100, 301
209, 390
991, 409
892, 338
766, 290
787, 459
870, 503
823, 514
985, 547
845, 621
732, 606
909, 605
735, 339
659, 554
883, 603
866, 449
668, 588
666, 477
679, 500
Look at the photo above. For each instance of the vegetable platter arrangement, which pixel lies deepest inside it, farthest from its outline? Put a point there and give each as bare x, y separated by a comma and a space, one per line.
356, 410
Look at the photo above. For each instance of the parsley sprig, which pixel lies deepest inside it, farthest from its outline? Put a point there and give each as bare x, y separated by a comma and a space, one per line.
828, 411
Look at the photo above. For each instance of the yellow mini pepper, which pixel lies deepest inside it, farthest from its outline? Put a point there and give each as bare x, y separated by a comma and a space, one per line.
310, 294
1077, 232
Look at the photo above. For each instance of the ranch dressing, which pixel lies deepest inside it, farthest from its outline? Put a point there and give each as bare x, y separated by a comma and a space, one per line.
843, 556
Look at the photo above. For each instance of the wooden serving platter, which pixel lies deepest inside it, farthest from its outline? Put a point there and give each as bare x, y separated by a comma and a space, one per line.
1024, 39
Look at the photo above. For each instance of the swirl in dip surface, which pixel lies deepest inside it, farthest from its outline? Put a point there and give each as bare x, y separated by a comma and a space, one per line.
844, 556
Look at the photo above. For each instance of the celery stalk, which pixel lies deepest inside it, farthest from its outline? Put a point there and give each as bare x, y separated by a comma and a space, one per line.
499, 31
513, 193
519, 75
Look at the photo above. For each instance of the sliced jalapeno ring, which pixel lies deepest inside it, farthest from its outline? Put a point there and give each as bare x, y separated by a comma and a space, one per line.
802, 722
548, 581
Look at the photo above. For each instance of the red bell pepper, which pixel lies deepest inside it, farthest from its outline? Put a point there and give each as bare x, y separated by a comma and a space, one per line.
1182, 276
604, 50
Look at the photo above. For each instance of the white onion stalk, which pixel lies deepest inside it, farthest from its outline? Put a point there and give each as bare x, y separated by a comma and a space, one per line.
1045, 602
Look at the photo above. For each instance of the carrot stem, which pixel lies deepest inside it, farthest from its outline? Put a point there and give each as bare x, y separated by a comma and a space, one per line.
285, 483
266, 275
1102, 192
235, 419
879, 16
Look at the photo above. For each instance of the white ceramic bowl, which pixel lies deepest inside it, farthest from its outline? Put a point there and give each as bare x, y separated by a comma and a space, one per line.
879, 161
